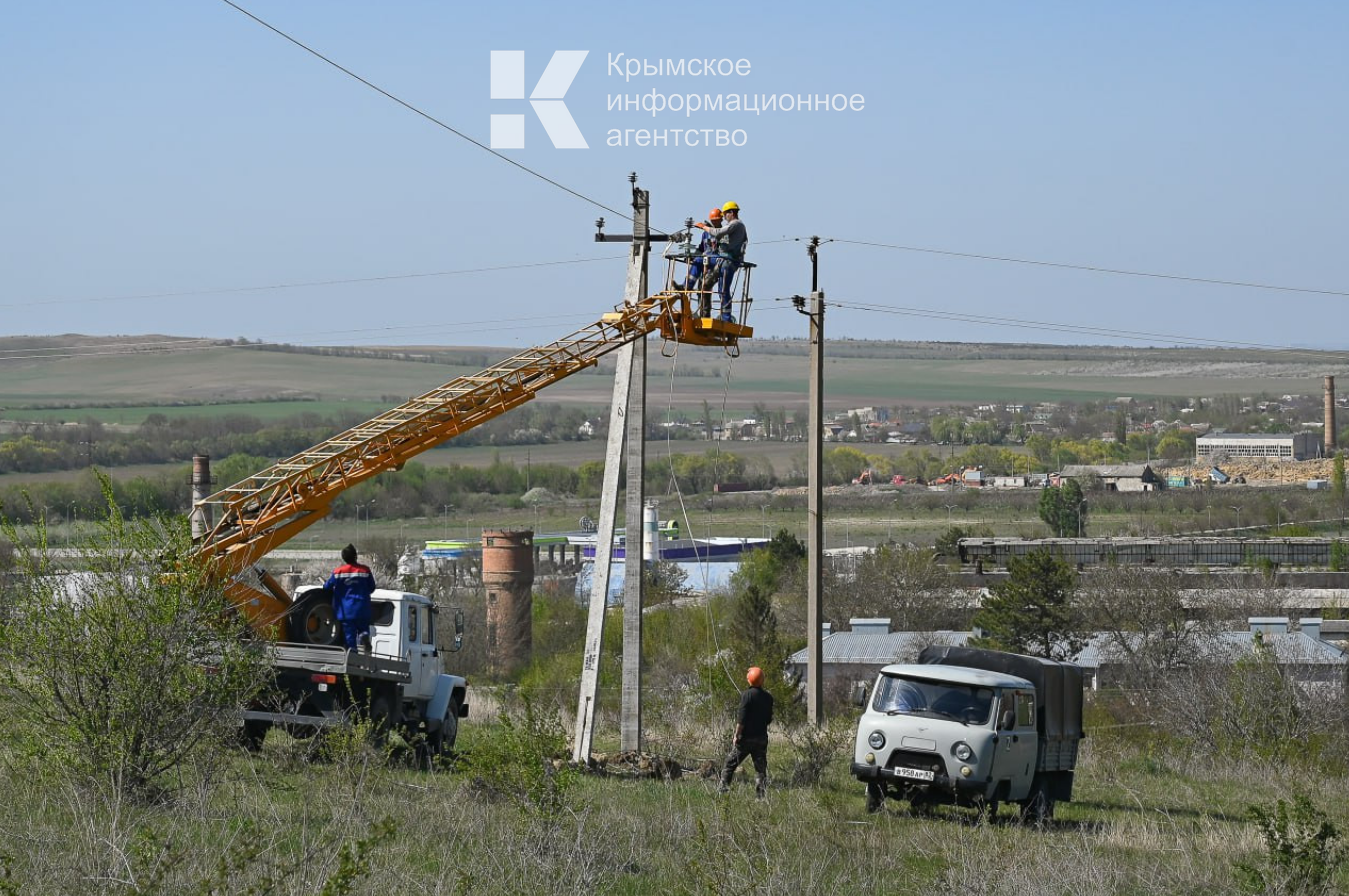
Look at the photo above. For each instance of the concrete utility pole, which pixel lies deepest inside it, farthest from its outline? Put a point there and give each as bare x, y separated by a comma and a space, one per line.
627, 418
815, 495
201, 490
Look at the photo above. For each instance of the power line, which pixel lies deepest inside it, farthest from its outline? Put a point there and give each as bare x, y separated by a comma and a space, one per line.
189, 345
307, 283
429, 117
40, 353
1096, 270
1059, 327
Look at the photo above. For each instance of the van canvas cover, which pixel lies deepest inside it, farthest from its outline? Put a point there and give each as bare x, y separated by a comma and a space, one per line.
1058, 688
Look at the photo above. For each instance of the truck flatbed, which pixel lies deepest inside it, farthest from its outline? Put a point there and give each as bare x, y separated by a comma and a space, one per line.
338, 661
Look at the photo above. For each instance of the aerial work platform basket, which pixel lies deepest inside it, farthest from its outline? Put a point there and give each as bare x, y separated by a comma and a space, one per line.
693, 281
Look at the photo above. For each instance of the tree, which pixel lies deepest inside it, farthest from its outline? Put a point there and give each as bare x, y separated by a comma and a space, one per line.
754, 628
904, 584
786, 548
1337, 477
1146, 629
123, 672
1063, 509
1033, 611
665, 581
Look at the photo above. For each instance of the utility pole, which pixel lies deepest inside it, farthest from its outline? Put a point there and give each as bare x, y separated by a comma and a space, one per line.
815, 494
627, 418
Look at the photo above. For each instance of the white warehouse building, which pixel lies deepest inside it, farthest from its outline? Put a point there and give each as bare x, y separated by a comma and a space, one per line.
1276, 445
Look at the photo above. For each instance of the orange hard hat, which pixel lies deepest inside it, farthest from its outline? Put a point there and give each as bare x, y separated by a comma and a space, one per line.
715, 213
754, 676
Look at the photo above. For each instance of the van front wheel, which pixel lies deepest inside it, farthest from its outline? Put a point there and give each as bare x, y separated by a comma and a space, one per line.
875, 797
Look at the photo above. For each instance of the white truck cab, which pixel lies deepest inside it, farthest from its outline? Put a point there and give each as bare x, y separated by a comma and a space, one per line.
971, 735
400, 683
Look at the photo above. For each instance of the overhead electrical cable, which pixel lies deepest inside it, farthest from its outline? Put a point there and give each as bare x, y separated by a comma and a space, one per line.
1243, 284
1060, 327
310, 283
195, 345
428, 116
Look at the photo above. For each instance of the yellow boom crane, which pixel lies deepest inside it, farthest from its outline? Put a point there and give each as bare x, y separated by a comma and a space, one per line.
257, 515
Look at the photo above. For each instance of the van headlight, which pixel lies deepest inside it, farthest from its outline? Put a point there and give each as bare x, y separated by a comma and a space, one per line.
962, 751
876, 739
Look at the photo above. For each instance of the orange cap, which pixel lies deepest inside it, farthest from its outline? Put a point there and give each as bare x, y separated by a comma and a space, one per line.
754, 676
715, 213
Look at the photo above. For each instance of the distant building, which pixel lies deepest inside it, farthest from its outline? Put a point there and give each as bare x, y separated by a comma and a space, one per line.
1303, 656
1277, 446
1117, 477
857, 656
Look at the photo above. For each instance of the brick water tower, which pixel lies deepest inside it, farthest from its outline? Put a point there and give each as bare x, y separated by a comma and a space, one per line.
508, 580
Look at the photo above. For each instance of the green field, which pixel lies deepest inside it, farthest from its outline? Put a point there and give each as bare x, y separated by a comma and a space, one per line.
134, 415
234, 379
1141, 823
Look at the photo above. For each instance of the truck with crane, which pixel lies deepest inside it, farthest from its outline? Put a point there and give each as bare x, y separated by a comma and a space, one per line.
400, 683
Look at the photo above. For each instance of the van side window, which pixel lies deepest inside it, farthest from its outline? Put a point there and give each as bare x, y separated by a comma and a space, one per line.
381, 612
412, 623
1025, 710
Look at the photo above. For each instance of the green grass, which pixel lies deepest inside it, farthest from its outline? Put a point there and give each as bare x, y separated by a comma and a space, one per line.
134, 415
889, 374
1136, 827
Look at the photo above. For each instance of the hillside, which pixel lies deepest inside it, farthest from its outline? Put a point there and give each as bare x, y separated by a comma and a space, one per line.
44, 377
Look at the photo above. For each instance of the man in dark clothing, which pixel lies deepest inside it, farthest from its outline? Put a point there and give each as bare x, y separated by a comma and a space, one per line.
751, 733
351, 585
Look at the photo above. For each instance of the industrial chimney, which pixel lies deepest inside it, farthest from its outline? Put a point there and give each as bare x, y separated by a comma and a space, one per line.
1330, 439
508, 579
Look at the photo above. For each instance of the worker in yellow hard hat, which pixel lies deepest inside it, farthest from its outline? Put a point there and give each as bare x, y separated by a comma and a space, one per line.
751, 733
732, 238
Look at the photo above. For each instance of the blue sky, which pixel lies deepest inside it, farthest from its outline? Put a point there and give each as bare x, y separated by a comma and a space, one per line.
173, 147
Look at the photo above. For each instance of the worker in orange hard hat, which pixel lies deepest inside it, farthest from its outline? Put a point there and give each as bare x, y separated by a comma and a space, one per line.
751, 733
732, 238
703, 266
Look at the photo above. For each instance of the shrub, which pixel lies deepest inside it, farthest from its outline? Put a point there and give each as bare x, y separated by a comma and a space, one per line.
121, 671
815, 748
1302, 849
521, 760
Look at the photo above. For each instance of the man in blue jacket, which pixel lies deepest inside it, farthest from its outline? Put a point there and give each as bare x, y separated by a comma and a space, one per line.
351, 585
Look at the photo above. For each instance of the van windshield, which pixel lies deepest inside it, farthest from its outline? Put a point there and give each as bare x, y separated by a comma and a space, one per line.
966, 704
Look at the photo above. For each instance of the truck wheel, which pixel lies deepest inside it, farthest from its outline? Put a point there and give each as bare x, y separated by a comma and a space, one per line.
875, 797
312, 621
381, 715
449, 729
253, 734
1038, 808
434, 744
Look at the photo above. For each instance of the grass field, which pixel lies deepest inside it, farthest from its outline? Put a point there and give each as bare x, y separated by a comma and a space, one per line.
857, 373
1141, 824
134, 415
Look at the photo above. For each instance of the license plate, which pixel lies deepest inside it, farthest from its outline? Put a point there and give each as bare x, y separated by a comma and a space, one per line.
918, 774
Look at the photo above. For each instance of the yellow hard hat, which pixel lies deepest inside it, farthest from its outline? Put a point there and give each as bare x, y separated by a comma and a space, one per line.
731, 207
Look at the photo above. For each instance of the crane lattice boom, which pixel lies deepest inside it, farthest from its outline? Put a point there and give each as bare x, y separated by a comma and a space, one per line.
257, 515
